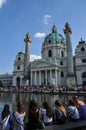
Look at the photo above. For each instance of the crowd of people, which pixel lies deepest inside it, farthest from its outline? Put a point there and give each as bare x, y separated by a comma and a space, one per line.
74, 110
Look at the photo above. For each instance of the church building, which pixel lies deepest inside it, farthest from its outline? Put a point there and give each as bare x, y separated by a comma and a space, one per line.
57, 66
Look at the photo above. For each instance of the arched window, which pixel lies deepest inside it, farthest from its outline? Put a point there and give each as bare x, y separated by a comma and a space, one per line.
83, 60
82, 49
49, 41
62, 54
18, 67
62, 74
49, 53
19, 58
61, 63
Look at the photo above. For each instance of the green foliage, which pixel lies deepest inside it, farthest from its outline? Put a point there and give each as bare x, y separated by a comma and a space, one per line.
70, 87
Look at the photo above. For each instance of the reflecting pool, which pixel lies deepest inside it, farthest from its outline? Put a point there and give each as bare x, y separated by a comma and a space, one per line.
13, 98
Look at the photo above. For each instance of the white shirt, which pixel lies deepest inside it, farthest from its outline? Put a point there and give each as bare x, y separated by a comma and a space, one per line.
45, 117
73, 112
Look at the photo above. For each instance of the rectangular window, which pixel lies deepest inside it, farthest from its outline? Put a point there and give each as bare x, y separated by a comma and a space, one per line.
83, 60
61, 63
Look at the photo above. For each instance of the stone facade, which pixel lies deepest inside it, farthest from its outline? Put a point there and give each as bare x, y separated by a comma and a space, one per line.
18, 72
57, 65
80, 63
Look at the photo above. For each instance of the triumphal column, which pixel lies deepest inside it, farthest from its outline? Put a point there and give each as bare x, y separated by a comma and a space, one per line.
27, 40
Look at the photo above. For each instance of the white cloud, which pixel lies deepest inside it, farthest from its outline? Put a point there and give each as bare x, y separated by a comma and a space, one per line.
2, 2
46, 18
34, 57
39, 35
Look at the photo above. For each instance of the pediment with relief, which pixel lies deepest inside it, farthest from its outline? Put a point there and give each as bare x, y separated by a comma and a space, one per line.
42, 64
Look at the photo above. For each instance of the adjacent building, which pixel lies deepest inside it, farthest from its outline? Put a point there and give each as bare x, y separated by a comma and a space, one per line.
6, 80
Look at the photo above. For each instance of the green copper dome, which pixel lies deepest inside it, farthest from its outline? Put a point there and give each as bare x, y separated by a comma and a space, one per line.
54, 37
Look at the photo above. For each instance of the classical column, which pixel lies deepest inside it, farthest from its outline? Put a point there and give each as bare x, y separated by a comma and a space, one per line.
56, 77
70, 79
50, 76
68, 32
31, 77
35, 77
20, 82
40, 78
46, 76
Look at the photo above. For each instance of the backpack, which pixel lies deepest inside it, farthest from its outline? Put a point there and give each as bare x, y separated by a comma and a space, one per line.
60, 116
4, 122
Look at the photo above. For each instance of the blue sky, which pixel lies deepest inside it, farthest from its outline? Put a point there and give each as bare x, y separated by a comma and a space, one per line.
17, 17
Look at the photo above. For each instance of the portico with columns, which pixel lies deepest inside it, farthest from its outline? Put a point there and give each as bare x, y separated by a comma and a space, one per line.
45, 77
51, 69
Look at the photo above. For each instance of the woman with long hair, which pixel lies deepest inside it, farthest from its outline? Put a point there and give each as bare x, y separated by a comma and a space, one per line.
5, 118
72, 111
18, 117
33, 115
46, 114
59, 113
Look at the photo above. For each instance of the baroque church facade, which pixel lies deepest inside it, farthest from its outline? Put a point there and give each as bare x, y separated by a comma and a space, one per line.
57, 66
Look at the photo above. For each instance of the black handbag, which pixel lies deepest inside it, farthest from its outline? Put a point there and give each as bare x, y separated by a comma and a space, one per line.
41, 125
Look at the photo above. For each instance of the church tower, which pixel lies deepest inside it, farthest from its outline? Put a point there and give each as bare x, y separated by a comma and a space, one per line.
27, 40
70, 64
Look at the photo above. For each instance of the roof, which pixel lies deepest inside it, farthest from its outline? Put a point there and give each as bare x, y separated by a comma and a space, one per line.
54, 37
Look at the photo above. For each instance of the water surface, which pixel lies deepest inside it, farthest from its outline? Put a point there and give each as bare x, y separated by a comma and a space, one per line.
13, 98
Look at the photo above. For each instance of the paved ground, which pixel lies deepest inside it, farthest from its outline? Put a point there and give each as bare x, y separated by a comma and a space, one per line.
79, 125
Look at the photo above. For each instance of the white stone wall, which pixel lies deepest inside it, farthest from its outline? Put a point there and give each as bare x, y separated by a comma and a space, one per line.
79, 65
56, 51
18, 72
79, 78
19, 62
15, 79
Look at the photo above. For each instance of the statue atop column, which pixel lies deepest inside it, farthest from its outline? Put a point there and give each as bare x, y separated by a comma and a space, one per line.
27, 39
67, 28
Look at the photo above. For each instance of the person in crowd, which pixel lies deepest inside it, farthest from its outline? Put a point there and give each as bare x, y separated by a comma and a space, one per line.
46, 114
18, 117
34, 116
5, 118
72, 111
60, 113
81, 107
